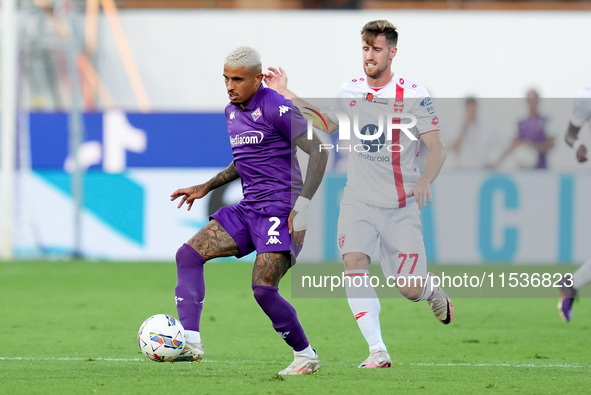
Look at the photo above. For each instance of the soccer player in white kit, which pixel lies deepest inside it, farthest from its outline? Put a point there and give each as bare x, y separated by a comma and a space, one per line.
581, 115
384, 191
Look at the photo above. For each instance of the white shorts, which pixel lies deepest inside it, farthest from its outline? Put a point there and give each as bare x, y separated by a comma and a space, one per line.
395, 233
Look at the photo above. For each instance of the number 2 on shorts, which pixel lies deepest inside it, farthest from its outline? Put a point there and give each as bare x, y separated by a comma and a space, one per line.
272, 232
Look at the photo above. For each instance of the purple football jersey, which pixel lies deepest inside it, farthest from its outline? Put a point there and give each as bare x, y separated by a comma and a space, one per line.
261, 137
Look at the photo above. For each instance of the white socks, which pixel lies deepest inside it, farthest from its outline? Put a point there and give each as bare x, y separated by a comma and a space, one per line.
428, 289
306, 352
192, 336
365, 306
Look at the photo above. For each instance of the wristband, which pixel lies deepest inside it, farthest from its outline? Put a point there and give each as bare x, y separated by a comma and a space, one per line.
300, 221
301, 204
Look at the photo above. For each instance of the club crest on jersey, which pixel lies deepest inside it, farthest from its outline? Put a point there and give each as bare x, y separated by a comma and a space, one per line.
374, 99
232, 115
256, 114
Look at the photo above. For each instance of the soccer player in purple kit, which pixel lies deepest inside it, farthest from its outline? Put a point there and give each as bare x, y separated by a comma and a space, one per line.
264, 132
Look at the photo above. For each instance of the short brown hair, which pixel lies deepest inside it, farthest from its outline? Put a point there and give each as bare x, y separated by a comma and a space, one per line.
373, 29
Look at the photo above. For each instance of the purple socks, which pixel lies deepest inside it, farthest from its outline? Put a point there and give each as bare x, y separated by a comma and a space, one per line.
282, 314
190, 292
190, 287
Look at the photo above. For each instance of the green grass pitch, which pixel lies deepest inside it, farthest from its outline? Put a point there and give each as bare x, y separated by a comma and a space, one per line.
70, 328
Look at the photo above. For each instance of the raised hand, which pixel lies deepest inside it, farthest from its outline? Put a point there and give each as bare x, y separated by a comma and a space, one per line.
276, 79
190, 194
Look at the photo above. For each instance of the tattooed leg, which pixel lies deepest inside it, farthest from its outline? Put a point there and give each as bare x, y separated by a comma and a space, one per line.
212, 241
269, 268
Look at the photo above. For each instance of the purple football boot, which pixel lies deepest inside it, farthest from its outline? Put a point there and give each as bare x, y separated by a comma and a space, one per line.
569, 294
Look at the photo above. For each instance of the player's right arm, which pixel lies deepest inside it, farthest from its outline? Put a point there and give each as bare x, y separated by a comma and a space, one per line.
571, 138
580, 115
276, 79
190, 194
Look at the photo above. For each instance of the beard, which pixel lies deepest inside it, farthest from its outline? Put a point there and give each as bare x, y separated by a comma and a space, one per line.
376, 73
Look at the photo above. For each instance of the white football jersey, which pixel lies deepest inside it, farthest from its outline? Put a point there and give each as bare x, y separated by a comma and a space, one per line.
582, 108
381, 171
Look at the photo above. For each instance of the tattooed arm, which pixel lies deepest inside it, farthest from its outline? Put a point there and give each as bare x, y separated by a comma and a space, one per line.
316, 163
189, 195
297, 224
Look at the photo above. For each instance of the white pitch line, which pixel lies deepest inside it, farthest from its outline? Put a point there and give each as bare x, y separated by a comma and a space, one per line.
92, 359
72, 359
432, 364
497, 365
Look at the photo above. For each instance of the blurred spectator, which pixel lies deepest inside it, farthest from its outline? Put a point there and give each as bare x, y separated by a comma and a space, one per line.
473, 146
529, 148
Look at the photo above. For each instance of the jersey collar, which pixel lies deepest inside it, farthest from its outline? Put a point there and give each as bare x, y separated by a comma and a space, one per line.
379, 88
254, 100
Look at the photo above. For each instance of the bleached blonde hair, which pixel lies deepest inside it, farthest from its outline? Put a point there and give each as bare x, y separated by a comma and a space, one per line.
243, 56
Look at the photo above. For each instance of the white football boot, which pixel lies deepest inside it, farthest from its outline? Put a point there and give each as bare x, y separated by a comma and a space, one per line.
193, 352
302, 364
441, 306
377, 359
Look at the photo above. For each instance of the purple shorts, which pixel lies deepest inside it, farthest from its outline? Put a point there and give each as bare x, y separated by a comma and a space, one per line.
257, 229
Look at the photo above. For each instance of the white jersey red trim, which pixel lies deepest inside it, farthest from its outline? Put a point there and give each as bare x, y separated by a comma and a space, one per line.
378, 173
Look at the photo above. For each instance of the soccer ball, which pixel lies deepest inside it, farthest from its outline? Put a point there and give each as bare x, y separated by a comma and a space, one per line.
161, 338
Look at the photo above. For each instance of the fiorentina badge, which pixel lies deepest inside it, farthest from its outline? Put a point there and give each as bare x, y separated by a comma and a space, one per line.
256, 114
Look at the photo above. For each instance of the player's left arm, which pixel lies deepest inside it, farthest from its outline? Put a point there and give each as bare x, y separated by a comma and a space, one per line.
298, 218
437, 153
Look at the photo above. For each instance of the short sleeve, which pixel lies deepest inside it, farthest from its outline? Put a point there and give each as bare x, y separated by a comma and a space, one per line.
424, 110
286, 117
339, 105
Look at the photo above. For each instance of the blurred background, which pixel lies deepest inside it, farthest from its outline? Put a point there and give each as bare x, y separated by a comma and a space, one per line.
109, 106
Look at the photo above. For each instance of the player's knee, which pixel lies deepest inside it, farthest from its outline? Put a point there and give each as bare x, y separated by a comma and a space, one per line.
411, 293
263, 293
355, 261
186, 255
270, 267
